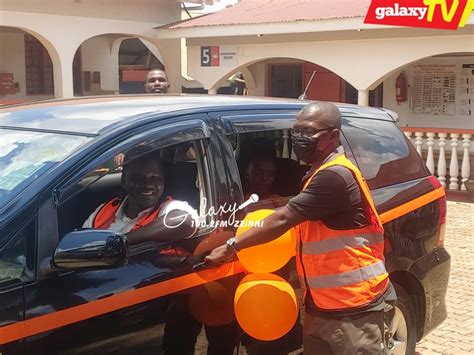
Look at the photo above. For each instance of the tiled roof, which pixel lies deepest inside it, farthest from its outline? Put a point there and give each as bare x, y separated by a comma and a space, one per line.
276, 11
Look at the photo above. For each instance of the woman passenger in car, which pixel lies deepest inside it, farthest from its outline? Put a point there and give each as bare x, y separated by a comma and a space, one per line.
260, 178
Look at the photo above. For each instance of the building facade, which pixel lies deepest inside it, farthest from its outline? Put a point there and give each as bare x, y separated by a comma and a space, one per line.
425, 75
66, 48
63, 48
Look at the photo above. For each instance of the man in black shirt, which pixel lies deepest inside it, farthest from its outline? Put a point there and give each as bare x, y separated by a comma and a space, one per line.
340, 253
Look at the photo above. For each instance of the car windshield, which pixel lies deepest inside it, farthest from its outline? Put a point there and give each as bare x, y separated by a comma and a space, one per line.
26, 155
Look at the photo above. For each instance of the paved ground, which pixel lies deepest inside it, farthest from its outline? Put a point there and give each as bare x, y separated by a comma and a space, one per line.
456, 334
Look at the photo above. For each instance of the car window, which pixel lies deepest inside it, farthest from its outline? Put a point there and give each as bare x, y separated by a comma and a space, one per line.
25, 156
15, 256
289, 171
382, 151
186, 179
267, 166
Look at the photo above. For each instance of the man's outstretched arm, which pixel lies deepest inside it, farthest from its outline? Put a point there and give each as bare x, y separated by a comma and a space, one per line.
173, 226
273, 226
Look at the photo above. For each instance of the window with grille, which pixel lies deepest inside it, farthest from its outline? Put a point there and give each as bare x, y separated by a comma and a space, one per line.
39, 68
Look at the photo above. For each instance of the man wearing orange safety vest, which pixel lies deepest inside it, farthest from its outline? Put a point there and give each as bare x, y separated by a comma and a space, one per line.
340, 259
145, 213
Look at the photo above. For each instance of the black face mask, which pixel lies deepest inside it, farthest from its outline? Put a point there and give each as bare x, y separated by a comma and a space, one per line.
306, 148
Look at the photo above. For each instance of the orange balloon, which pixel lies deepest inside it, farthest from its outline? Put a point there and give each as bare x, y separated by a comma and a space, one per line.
268, 257
265, 306
212, 303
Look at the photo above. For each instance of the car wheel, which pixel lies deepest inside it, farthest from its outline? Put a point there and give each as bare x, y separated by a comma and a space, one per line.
402, 326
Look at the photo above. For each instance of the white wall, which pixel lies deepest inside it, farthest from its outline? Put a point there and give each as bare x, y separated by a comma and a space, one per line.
259, 71
98, 56
156, 11
407, 119
62, 26
363, 63
12, 60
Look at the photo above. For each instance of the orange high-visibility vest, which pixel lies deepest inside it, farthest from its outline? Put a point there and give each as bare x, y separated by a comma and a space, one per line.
106, 215
342, 269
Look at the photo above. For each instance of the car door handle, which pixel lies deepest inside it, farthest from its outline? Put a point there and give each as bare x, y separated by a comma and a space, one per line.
201, 266
152, 280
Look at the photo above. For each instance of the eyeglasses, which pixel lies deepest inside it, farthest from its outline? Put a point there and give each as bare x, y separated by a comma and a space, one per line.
307, 132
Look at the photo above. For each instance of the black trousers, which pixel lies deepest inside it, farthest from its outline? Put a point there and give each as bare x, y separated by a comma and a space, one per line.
352, 335
182, 330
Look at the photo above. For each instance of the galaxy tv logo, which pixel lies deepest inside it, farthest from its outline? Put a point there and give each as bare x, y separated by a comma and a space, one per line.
442, 14
396, 10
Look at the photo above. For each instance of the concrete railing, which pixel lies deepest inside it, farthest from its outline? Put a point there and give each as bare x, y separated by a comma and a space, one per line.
447, 153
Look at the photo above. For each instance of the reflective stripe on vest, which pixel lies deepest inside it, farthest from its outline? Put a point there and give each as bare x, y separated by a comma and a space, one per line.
341, 242
347, 278
343, 268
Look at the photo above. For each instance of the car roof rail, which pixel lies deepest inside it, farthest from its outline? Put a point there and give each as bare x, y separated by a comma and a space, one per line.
391, 113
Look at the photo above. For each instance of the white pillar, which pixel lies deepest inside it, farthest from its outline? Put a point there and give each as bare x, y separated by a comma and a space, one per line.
101, 54
442, 159
292, 152
430, 157
293, 155
63, 79
409, 136
418, 141
454, 165
212, 91
170, 50
277, 148
466, 164
286, 150
363, 97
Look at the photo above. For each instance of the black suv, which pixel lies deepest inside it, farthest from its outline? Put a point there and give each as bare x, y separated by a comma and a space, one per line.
66, 290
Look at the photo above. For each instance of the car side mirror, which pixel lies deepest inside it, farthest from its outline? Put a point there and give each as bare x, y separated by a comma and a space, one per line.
91, 249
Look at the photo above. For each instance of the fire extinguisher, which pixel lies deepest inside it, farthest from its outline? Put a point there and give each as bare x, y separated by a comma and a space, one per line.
401, 88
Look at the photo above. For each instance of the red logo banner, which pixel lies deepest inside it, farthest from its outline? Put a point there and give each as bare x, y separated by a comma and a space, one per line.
215, 56
441, 14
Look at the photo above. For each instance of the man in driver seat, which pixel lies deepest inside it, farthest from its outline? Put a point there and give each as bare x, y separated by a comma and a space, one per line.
145, 213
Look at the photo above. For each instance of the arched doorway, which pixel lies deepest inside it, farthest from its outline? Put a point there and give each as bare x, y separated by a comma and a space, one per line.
135, 61
113, 64
26, 68
289, 77
95, 67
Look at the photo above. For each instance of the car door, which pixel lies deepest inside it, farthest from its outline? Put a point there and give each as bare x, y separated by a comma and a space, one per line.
115, 310
16, 270
249, 134
266, 132
270, 128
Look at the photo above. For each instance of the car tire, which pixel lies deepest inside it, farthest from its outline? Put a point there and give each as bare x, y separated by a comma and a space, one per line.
402, 325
